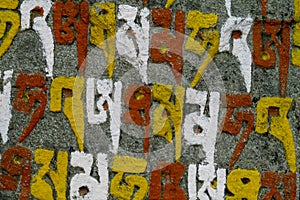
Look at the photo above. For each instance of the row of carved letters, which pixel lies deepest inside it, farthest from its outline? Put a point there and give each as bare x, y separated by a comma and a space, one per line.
140, 97
164, 46
32, 98
241, 183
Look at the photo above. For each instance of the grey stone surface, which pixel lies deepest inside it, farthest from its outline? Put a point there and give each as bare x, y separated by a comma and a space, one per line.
53, 131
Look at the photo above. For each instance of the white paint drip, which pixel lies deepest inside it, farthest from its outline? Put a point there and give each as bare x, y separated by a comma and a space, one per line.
5, 105
105, 88
40, 27
96, 190
240, 46
130, 33
209, 125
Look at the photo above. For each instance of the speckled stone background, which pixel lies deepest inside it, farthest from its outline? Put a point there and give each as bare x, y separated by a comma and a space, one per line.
53, 131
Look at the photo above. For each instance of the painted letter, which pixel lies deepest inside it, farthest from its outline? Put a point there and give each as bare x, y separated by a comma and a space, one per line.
264, 55
40, 27
296, 34
208, 125
279, 125
16, 161
103, 31
95, 189
234, 124
161, 122
238, 28
105, 88
26, 101
273, 181
138, 100
73, 107
165, 46
170, 186
197, 21
5, 105
241, 189
8, 17
77, 16
42, 190
208, 190
128, 164
131, 33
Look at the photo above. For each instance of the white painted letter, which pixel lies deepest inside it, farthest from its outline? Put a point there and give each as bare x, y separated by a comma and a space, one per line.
240, 46
105, 88
206, 174
5, 105
40, 27
207, 138
96, 190
131, 33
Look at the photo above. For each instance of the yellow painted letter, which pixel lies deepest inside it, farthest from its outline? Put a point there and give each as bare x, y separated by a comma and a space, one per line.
161, 124
42, 190
296, 35
196, 21
73, 107
128, 164
104, 24
279, 126
244, 184
8, 17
